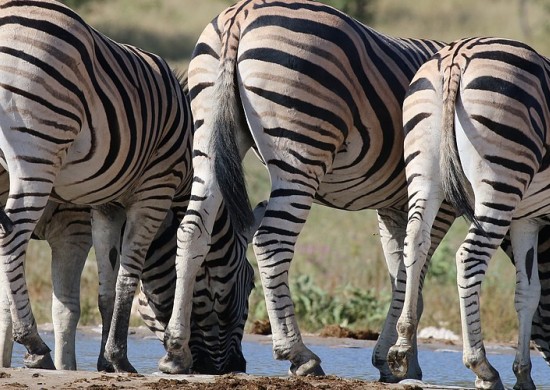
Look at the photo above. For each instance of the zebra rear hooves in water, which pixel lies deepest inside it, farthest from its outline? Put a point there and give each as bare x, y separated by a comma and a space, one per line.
476, 138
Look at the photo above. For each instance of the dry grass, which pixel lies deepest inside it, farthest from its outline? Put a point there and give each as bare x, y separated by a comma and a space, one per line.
453, 19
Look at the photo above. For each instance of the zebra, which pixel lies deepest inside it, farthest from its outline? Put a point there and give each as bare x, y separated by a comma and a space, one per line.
220, 302
477, 118
85, 120
318, 96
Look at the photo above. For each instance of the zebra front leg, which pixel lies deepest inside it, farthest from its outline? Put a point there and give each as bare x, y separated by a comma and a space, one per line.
194, 238
540, 331
143, 220
6, 337
66, 305
70, 237
392, 225
524, 235
107, 223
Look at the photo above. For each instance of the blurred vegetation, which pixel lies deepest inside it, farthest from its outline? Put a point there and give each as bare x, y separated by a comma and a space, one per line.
317, 306
363, 10
338, 273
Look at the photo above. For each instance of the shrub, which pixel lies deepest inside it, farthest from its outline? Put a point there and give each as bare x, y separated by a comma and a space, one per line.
316, 307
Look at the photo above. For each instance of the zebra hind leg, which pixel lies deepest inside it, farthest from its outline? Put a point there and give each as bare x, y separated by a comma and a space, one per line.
392, 226
524, 235
418, 246
25, 204
472, 260
274, 248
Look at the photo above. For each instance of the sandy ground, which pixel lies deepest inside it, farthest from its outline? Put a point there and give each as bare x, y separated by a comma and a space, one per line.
21, 378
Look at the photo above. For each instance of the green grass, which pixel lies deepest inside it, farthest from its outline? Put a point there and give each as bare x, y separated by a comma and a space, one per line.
337, 249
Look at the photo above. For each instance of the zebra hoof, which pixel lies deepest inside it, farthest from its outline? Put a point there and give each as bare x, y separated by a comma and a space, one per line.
388, 378
124, 365
398, 360
529, 385
311, 367
44, 362
489, 384
523, 375
104, 366
172, 364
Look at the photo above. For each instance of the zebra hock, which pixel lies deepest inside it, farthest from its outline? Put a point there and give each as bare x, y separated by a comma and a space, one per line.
86, 121
477, 120
318, 95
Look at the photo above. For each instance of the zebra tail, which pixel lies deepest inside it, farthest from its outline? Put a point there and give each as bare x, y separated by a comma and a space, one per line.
454, 182
227, 117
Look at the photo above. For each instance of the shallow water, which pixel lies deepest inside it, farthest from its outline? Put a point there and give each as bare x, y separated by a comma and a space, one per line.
440, 366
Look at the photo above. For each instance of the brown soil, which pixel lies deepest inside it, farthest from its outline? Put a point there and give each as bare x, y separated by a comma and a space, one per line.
262, 327
342, 332
20, 378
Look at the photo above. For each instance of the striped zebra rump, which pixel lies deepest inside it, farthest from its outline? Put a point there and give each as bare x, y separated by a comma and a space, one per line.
477, 119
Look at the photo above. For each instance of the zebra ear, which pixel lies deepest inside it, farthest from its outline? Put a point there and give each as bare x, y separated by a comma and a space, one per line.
259, 212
